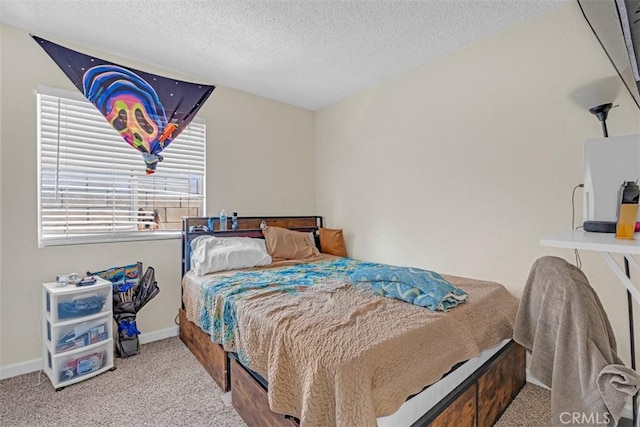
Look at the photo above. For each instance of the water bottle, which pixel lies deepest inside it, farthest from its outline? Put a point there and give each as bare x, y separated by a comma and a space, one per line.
223, 220
234, 221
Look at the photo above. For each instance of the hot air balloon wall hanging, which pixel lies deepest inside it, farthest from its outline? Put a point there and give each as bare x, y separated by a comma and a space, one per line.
147, 110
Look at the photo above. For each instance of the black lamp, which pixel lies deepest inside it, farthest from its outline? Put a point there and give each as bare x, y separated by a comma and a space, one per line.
601, 112
595, 96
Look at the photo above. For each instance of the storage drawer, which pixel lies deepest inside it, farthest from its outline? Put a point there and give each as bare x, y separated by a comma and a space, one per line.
73, 336
66, 306
249, 398
69, 367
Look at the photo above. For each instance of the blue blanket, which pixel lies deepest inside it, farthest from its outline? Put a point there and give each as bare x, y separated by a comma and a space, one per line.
420, 287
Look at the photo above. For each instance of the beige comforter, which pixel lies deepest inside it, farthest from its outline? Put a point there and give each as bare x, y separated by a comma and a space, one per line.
337, 355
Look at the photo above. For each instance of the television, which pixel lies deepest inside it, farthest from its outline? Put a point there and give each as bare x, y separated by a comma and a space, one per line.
616, 25
608, 163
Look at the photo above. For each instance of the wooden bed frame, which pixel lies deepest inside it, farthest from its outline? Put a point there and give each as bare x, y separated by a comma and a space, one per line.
478, 401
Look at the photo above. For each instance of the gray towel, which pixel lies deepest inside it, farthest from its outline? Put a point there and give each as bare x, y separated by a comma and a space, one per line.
616, 380
562, 323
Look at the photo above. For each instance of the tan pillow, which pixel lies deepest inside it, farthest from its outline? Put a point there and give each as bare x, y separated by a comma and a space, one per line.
289, 244
332, 242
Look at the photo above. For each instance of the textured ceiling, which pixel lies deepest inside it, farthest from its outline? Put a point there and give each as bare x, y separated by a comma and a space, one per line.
303, 52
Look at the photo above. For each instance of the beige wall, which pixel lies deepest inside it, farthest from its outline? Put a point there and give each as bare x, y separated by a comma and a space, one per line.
259, 161
1, 260
459, 166
462, 165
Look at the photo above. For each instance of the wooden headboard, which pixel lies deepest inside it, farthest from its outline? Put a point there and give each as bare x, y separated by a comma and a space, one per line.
248, 226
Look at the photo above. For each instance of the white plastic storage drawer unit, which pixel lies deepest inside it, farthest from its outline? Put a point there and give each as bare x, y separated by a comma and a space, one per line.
77, 331
67, 337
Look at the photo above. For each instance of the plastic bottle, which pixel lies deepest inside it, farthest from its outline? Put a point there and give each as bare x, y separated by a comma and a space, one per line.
628, 203
234, 221
223, 220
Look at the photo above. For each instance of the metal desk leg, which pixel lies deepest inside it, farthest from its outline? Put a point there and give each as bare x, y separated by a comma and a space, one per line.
632, 342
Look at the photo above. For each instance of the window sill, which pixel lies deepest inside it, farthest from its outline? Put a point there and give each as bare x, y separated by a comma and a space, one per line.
112, 238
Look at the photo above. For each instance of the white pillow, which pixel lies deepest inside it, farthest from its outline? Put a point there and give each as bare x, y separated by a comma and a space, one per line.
210, 254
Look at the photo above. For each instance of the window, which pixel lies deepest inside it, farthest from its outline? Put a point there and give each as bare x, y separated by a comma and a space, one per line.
92, 185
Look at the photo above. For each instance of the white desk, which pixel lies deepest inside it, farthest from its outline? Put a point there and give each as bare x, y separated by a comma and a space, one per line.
607, 244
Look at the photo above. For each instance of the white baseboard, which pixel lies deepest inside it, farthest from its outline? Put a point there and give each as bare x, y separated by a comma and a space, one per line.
33, 365
20, 368
162, 334
626, 413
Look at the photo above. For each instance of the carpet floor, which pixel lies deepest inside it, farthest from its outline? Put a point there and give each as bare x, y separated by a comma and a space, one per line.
166, 386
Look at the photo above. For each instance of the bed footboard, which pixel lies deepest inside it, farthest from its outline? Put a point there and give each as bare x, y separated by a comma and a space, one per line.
249, 398
500, 384
210, 355
483, 397
478, 401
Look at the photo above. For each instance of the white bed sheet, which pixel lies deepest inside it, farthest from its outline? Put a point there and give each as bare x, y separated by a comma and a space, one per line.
420, 404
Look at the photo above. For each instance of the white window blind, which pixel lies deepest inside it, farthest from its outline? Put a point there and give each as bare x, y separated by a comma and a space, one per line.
93, 186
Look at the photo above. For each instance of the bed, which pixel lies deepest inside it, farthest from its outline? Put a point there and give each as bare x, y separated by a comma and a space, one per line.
469, 388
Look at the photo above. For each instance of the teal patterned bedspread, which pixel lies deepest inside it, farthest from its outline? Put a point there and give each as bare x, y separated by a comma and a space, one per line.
218, 315
219, 296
